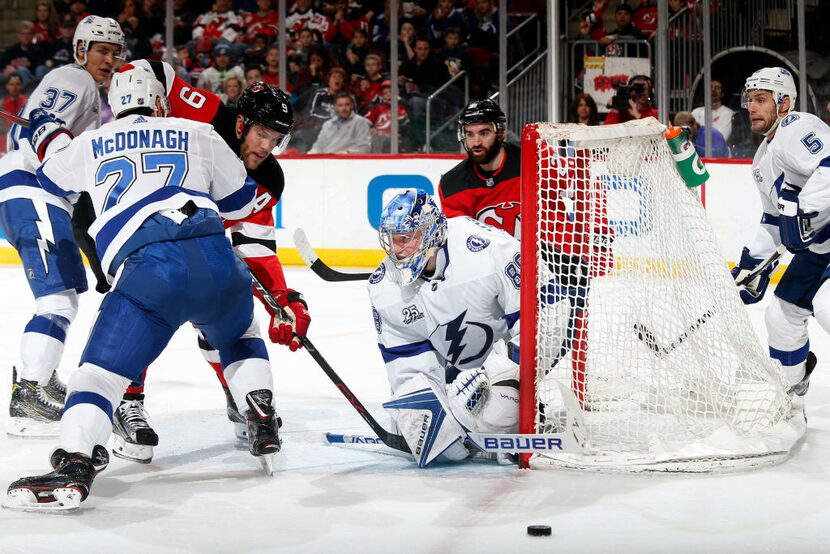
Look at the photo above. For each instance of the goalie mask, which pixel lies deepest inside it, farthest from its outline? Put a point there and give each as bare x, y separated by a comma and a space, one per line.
776, 80
135, 89
270, 107
411, 230
96, 29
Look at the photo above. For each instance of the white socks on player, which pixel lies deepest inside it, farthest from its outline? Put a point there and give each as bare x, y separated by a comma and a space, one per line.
43, 339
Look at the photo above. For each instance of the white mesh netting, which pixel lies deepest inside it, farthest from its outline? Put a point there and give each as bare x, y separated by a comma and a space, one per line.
638, 316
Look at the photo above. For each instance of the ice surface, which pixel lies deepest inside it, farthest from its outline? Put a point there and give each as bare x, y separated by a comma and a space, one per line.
204, 493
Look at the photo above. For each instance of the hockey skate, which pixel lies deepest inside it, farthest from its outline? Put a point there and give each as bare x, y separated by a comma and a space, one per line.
133, 438
55, 389
240, 425
32, 413
799, 390
63, 489
263, 428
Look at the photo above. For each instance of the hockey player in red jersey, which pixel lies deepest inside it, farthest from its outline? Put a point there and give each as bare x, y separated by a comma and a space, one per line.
485, 186
260, 124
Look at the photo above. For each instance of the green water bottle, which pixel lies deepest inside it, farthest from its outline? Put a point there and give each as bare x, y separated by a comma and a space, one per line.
685, 156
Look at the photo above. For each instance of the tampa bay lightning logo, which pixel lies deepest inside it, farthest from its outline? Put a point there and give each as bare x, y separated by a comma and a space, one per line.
476, 243
377, 276
470, 339
756, 174
376, 317
789, 119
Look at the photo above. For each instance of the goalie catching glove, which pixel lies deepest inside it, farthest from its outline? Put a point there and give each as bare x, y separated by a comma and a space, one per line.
44, 129
793, 222
754, 290
293, 319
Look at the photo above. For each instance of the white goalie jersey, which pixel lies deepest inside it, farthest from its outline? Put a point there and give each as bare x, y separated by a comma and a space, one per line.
454, 318
71, 95
797, 157
137, 166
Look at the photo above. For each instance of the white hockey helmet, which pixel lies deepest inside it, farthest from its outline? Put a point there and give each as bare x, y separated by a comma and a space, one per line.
777, 80
96, 29
137, 88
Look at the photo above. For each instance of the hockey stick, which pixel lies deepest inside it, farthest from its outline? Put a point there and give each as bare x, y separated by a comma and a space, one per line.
389, 439
15, 118
488, 442
645, 334
317, 265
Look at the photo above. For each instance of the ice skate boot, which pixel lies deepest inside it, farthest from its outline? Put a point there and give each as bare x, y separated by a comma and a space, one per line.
61, 490
55, 389
240, 424
263, 428
32, 413
133, 438
799, 390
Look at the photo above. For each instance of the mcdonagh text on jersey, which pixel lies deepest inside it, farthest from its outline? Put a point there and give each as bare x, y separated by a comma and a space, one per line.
169, 139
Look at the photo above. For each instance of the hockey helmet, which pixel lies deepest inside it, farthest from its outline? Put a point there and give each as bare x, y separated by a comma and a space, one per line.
777, 80
96, 29
137, 88
267, 106
481, 111
412, 227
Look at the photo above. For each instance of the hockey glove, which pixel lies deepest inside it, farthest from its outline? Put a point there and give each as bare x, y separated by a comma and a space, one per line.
754, 290
44, 129
293, 321
794, 224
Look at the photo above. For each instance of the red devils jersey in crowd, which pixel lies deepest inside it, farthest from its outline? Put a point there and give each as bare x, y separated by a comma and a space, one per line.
252, 237
491, 198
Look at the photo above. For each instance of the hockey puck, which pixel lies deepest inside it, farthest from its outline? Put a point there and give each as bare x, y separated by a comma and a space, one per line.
538, 530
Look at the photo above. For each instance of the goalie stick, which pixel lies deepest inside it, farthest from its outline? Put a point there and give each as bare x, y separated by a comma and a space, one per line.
318, 266
648, 338
566, 441
389, 439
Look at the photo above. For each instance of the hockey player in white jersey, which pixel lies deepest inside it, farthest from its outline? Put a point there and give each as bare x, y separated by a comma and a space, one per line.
38, 224
792, 171
160, 188
445, 301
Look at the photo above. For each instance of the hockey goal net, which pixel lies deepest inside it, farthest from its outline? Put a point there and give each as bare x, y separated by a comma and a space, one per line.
630, 316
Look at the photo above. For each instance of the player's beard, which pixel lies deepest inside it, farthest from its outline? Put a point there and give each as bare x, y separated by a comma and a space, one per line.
488, 155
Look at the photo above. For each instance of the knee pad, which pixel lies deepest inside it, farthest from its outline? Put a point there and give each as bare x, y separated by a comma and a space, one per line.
64, 304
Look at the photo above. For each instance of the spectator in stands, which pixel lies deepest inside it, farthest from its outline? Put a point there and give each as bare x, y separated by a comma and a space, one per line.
302, 15
232, 87
583, 110
45, 23
645, 18
212, 77
406, 42
346, 132
183, 20
367, 90
221, 23
137, 29
354, 55
12, 103
452, 56
483, 26
444, 16
380, 116
263, 21
421, 77
379, 27
78, 9
24, 58
639, 102
60, 51
625, 31
346, 17
255, 55
592, 25
317, 109
304, 45
721, 114
415, 12
271, 73
697, 135
253, 74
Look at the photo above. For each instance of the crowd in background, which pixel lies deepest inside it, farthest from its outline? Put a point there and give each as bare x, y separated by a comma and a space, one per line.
333, 47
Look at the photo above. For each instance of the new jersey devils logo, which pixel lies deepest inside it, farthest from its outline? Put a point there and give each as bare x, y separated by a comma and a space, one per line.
504, 216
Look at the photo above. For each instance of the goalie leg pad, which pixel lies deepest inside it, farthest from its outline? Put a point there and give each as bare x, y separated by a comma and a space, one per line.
419, 409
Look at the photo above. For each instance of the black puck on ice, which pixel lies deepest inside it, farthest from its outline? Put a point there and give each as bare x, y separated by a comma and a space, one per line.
538, 530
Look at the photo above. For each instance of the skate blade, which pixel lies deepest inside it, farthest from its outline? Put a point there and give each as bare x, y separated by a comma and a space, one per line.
26, 428
267, 462
24, 500
241, 432
138, 453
